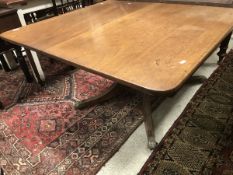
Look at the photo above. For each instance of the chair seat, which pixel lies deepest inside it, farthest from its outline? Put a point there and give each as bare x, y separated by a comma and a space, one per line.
5, 3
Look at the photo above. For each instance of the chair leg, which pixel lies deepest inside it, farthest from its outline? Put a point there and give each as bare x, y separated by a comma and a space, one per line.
34, 68
11, 59
1, 172
223, 48
1, 105
83, 2
4, 63
55, 11
23, 64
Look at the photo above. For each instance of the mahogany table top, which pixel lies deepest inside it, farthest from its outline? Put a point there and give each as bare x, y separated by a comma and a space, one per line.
150, 46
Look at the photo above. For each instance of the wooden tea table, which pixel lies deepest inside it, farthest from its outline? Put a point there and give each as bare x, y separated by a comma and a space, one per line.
151, 47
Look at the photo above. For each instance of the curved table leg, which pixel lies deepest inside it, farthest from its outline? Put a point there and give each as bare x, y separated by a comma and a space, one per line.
149, 126
197, 79
109, 93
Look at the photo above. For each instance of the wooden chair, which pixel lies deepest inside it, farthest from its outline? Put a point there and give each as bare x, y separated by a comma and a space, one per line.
54, 8
9, 20
63, 6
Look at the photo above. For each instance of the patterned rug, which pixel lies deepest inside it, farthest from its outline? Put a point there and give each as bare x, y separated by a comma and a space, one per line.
13, 83
201, 140
42, 133
10, 84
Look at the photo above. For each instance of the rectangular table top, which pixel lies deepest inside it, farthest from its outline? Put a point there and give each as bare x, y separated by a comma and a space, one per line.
150, 46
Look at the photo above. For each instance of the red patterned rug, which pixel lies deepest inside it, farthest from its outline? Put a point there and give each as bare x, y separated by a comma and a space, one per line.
10, 86
42, 133
13, 83
201, 140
